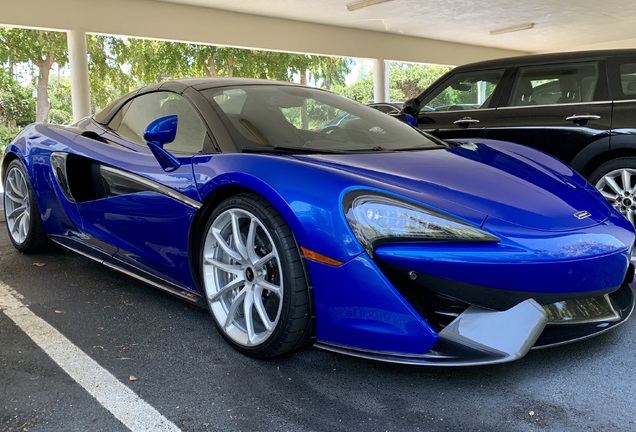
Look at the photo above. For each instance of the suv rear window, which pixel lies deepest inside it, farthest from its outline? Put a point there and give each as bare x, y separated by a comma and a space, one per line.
558, 84
628, 80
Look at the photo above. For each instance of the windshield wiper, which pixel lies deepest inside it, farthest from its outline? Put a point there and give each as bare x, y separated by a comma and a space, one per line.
389, 150
288, 150
435, 147
368, 150
314, 150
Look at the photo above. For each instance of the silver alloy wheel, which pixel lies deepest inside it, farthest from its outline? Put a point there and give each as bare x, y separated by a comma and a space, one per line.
619, 188
242, 277
17, 205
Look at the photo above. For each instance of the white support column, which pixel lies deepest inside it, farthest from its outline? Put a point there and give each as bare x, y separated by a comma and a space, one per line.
380, 80
78, 60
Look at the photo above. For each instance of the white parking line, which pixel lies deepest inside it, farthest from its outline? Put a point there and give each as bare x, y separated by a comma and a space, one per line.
122, 402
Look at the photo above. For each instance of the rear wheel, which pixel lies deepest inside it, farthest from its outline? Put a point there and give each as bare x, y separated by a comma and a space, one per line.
21, 211
254, 279
616, 180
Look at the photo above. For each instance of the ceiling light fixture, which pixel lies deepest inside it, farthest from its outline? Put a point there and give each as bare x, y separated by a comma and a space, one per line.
512, 29
364, 3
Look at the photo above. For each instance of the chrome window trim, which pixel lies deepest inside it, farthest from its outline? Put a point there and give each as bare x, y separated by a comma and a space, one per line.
456, 111
619, 101
555, 105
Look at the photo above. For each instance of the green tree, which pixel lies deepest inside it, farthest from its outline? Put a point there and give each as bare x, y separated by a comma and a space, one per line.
146, 60
411, 79
150, 59
117, 65
17, 105
360, 90
329, 72
17, 108
41, 48
61, 111
108, 75
405, 81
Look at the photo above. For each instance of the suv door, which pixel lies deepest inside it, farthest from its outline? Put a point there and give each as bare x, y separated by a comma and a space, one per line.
562, 109
622, 72
460, 106
616, 178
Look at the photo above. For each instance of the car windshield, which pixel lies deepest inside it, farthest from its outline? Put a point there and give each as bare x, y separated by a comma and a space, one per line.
289, 117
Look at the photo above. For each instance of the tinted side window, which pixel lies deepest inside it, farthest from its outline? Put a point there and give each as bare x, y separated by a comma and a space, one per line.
464, 91
627, 81
135, 116
556, 84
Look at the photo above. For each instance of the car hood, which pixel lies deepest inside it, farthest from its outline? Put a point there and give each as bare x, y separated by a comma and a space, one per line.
499, 180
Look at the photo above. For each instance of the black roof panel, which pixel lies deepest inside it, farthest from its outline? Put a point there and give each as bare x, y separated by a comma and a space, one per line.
546, 58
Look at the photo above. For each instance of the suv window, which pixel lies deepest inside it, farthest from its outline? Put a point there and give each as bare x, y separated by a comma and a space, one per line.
464, 91
628, 81
131, 121
557, 84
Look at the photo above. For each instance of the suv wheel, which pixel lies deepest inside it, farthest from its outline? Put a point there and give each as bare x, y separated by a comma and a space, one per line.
616, 180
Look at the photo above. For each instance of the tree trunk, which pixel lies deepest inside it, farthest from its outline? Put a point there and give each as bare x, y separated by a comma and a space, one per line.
211, 68
230, 66
43, 106
304, 118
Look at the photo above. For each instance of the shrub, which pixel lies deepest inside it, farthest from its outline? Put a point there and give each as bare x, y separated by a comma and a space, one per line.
7, 133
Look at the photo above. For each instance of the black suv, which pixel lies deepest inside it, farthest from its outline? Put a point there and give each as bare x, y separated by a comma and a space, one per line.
579, 107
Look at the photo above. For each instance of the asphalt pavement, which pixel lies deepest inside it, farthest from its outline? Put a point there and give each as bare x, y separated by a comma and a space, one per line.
68, 323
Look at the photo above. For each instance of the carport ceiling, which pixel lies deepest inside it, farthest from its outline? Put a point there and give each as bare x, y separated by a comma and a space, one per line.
564, 25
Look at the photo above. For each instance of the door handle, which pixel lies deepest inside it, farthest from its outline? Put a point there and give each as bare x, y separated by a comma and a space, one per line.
466, 121
582, 118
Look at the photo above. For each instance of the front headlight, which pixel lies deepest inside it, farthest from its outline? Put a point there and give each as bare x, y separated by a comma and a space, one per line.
376, 218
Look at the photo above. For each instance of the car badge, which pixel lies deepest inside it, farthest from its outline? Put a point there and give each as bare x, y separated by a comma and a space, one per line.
582, 214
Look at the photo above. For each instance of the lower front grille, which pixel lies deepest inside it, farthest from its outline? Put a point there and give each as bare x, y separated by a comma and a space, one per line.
437, 309
582, 311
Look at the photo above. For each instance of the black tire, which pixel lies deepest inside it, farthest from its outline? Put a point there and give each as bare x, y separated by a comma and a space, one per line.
616, 179
22, 216
263, 270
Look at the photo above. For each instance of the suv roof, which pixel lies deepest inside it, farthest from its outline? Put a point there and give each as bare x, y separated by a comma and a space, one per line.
546, 58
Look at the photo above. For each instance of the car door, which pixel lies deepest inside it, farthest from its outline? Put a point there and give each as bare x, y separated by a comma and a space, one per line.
461, 105
561, 109
137, 206
622, 72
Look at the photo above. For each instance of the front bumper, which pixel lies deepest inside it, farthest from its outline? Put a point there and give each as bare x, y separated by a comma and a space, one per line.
414, 303
480, 336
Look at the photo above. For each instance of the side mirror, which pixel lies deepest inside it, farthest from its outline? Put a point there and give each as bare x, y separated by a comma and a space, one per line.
158, 133
162, 130
411, 107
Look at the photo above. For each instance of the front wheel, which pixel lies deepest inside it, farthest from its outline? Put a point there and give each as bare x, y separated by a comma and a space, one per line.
616, 180
21, 211
253, 278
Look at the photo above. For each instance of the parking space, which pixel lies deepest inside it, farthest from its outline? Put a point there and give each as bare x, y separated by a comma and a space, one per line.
170, 356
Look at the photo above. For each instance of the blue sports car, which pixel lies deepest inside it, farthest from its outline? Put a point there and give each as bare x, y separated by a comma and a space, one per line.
368, 238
